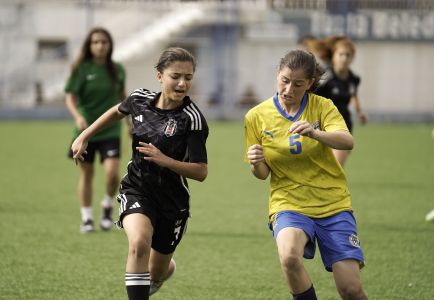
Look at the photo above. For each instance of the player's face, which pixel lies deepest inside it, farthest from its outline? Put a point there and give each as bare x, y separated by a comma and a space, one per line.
176, 80
99, 45
291, 86
342, 58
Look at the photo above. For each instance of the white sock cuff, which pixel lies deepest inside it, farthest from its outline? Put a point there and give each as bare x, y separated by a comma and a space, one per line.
137, 279
86, 213
107, 201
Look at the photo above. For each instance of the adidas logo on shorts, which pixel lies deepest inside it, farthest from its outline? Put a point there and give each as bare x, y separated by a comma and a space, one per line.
135, 205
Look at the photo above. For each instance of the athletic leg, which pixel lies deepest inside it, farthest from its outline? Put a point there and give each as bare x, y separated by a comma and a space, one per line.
290, 244
139, 230
85, 196
347, 278
111, 170
341, 253
166, 237
162, 267
85, 184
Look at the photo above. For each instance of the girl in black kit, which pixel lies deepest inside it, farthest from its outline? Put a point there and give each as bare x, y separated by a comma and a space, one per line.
341, 85
169, 135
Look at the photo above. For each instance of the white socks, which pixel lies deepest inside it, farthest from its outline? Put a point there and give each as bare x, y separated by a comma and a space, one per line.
106, 201
86, 213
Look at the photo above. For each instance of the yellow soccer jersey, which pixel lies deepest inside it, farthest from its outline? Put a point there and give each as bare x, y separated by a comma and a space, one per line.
305, 175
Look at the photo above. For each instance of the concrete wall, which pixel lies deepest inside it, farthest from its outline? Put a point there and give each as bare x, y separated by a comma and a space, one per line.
396, 76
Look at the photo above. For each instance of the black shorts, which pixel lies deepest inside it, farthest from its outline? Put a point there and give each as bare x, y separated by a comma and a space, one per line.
167, 232
110, 148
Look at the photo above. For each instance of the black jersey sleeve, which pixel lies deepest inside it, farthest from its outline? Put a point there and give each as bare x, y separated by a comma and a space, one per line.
323, 90
196, 143
128, 106
357, 83
125, 106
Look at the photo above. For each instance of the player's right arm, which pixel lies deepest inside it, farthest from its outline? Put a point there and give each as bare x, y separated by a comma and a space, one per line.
71, 104
254, 152
108, 118
259, 168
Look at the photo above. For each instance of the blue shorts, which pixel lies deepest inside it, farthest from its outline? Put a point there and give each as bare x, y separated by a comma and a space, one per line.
336, 235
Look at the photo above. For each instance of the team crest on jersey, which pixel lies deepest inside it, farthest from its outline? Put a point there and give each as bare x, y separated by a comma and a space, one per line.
354, 240
170, 128
335, 90
315, 124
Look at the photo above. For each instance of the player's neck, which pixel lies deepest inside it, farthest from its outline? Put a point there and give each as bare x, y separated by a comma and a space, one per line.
166, 103
342, 73
98, 60
290, 109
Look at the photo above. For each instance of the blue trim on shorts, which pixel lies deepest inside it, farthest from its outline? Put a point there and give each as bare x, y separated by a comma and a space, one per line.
336, 235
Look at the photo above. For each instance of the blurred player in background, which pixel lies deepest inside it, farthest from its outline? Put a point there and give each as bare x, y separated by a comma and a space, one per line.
95, 84
290, 136
341, 84
320, 49
168, 142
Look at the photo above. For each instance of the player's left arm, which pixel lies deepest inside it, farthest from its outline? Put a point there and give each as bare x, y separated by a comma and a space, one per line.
108, 118
363, 118
197, 171
340, 139
128, 120
332, 131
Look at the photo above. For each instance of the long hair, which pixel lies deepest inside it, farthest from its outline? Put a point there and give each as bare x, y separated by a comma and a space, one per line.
86, 54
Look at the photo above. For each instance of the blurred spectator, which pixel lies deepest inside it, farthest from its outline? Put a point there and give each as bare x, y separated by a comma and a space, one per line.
95, 84
341, 84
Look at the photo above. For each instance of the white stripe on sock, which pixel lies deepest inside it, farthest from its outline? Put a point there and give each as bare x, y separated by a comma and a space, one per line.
137, 282
137, 279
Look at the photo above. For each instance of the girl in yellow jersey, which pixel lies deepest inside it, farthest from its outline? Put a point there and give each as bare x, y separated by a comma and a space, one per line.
291, 136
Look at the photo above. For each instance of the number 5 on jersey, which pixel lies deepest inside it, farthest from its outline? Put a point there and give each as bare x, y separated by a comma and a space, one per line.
294, 144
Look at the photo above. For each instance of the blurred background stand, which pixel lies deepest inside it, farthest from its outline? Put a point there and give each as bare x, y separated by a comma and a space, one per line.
237, 44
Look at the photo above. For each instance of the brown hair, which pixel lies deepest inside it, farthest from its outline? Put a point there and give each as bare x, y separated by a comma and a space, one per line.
86, 54
320, 49
345, 42
300, 59
172, 55
335, 41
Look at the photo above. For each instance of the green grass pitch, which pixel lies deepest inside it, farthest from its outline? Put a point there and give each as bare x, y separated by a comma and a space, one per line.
228, 252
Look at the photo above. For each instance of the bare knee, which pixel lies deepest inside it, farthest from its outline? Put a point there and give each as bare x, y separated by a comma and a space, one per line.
113, 180
111, 167
160, 269
87, 172
139, 248
291, 263
352, 292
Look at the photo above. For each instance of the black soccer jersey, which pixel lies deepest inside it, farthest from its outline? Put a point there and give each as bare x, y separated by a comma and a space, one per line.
340, 92
179, 133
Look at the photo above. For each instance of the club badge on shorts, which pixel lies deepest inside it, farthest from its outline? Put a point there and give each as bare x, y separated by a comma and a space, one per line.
170, 128
354, 240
